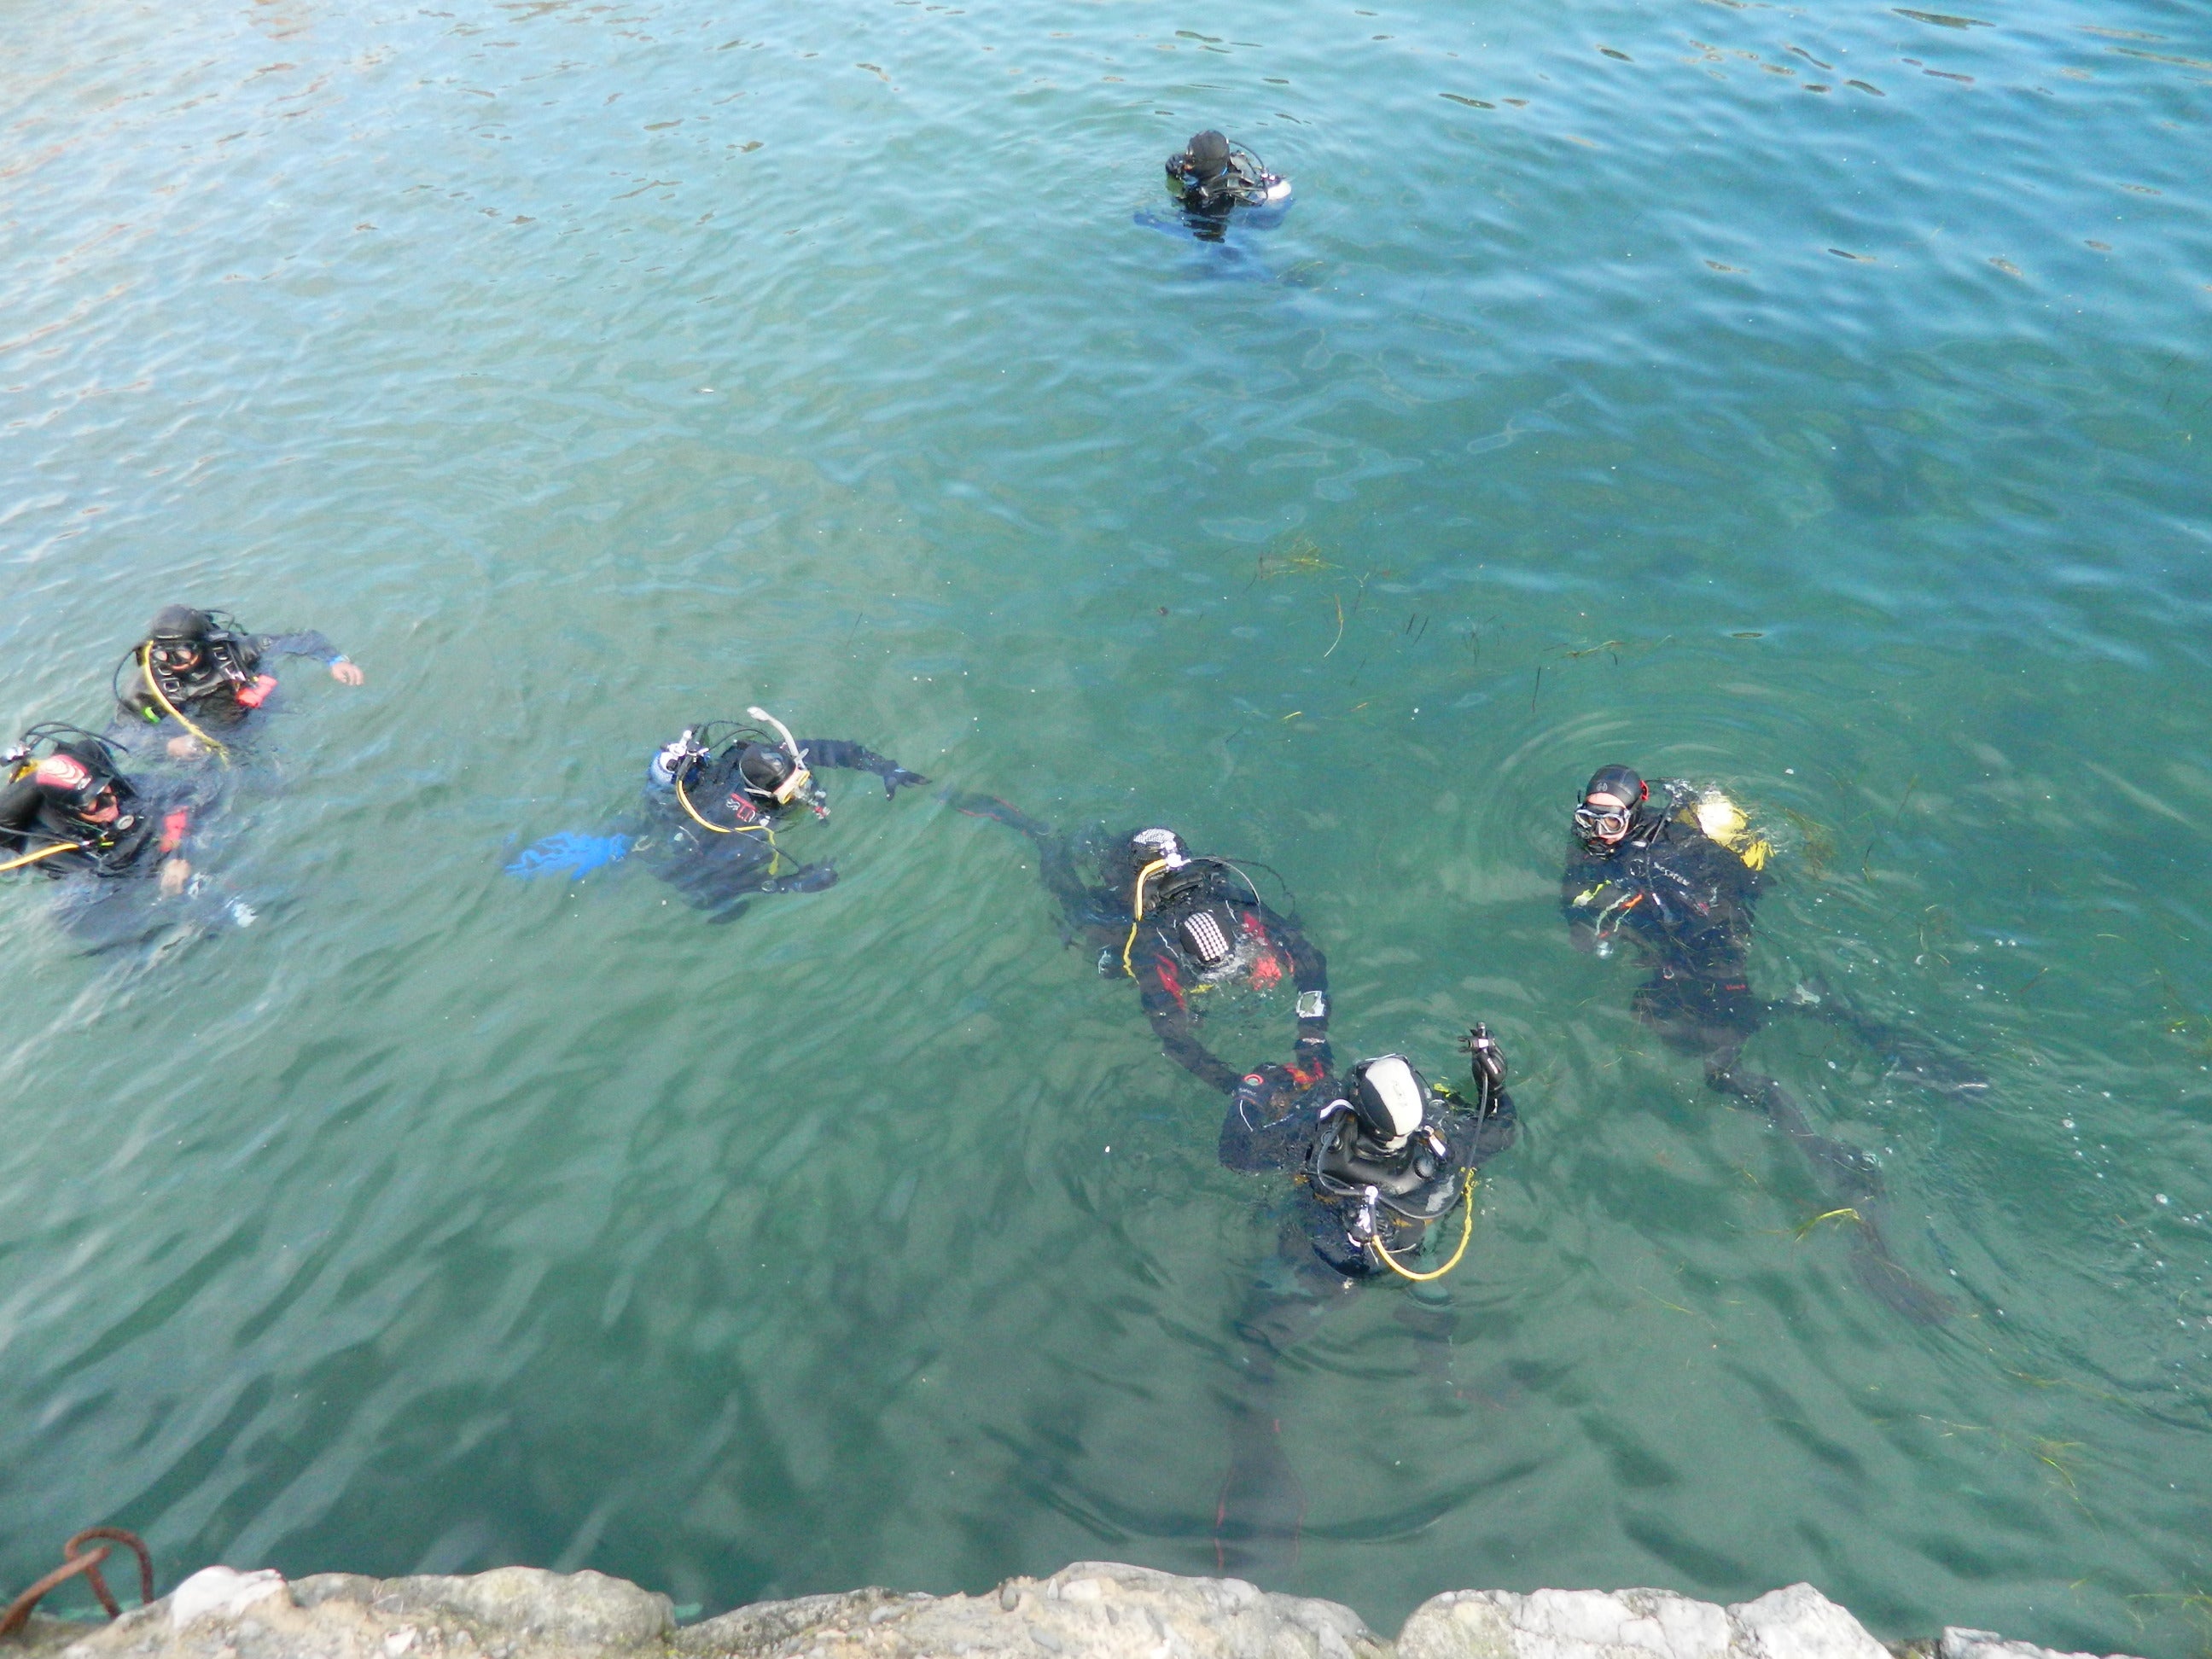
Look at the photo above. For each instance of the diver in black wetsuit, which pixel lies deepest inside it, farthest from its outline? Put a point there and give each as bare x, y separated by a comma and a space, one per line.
719, 795
1212, 178
1385, 1155
1377, 1159
1182, 926
1680, 876
72, 813
200, 670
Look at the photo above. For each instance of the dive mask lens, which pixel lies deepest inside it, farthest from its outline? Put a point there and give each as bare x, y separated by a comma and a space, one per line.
1601, 822
788, 790
173, 654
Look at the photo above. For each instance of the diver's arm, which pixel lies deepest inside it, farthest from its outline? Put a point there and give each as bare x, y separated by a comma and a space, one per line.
1475, 1136
307, 643
1237, 1127
1310, 972
857, 757
1584, 891
136, 707
1173, 1026
18, 812
1256, 1134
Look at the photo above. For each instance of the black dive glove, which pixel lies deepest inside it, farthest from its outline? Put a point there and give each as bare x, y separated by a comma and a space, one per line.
898, 776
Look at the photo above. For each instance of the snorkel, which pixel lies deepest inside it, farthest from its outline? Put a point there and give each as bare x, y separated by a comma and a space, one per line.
800, 778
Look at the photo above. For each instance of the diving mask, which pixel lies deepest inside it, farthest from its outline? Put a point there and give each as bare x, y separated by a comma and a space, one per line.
1603, 823
788, 790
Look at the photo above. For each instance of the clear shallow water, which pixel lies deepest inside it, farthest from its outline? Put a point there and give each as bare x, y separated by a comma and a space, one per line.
584, 368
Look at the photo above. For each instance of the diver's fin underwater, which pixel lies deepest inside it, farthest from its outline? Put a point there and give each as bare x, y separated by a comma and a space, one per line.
570, 852
1262, 1508
1888, 1282
1910, 1058
998, 812
1851, 1182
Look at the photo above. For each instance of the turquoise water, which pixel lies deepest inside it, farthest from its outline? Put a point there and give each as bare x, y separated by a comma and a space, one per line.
1810, 401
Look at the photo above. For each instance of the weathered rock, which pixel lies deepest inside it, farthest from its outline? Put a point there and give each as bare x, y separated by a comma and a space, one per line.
1100, 1609
1796, 1623
1800, 1623
509, 1613
1092, 1610
219, 1593
1988, 1644
1549, 1624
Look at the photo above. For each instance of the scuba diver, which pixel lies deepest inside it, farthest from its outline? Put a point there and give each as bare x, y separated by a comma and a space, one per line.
199, 669
1376, 1160
1211, 178
72, 813
716, 797
1680, 877
1384, 1155
1184, 928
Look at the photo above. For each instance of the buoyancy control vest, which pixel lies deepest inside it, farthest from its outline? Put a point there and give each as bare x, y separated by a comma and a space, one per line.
1420, 1182
222, 686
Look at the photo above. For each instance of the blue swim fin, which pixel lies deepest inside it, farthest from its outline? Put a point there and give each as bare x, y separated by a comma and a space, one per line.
570, 852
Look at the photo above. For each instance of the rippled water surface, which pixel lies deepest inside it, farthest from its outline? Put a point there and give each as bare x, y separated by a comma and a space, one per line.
1811, 400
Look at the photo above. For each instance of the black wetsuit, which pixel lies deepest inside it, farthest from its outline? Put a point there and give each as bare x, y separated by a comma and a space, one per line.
1686, 902
720, 870
1268, 950
1316, 1135
1207, 203
222, 690
132, 845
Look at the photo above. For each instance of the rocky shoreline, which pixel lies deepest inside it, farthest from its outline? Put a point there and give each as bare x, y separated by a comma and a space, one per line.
1091, 1610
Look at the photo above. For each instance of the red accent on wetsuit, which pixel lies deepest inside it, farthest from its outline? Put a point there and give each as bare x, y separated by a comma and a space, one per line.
1172, 986
1268, 967
174, 828
743, 809
253, 695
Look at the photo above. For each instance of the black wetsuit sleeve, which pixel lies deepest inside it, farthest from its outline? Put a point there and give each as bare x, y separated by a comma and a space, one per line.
307, 644
1585, 891
134, 703
1479, 1136
1252, 1142
19, 810
1309, 972
1177, 1031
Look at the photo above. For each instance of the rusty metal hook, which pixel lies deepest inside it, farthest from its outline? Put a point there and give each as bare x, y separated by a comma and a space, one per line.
73, 1563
